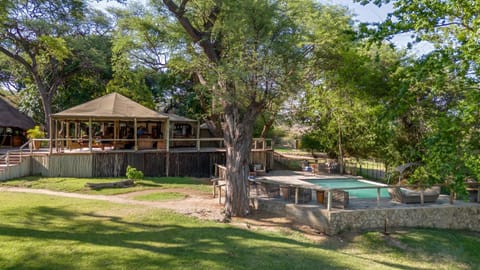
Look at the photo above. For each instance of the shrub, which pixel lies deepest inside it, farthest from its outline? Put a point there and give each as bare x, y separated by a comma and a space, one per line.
35, 133
133, 173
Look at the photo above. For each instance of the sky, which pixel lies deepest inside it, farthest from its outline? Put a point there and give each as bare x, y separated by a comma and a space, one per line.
372, 13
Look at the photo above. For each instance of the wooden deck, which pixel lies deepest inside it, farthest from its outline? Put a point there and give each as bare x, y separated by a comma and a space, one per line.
109, 162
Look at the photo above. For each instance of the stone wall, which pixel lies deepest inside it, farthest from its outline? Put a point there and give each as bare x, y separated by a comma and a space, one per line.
463, 217
460, 216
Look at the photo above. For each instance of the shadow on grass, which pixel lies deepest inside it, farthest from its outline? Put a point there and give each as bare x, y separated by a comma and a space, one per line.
154, 244
57, 237
177, 180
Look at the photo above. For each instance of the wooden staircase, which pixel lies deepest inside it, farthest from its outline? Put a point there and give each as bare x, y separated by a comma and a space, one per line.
11, 158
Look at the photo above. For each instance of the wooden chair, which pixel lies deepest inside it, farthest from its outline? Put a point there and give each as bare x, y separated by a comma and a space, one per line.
73, 145
218, 184
219, 181
259, 169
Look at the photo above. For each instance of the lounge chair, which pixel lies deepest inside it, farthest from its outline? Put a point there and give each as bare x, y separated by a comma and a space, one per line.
404, 195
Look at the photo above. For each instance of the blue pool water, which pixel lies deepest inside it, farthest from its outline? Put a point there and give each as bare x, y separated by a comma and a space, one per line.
349, 182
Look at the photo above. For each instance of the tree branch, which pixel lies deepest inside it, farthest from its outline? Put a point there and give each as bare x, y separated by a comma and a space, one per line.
202, 38
17, 57
179, 12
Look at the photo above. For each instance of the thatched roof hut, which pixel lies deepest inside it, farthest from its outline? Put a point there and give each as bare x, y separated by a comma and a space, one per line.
11, 117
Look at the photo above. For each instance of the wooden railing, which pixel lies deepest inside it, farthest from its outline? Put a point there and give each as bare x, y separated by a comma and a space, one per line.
146, 143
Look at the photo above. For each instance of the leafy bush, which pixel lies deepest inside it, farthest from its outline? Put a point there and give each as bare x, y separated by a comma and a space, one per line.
133, 173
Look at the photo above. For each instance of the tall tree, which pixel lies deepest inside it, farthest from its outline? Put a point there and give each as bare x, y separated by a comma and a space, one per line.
438, 94
246, 54
349, 82
35, 36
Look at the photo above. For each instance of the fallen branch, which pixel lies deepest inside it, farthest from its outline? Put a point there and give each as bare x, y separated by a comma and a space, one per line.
119, 184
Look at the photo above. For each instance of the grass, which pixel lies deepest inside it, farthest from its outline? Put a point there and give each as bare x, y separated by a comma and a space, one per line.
45, 232
160, 196
77, 185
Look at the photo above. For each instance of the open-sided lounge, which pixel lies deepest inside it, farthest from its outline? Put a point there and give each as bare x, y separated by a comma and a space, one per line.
103, 136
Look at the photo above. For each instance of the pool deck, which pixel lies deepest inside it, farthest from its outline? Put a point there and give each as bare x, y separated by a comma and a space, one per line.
367, 214
302, 178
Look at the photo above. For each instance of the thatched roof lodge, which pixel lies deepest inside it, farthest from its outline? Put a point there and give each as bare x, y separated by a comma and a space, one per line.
13, 123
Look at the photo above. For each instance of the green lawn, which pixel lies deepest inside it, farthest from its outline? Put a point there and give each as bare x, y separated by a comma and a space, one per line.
78, 184
160, 196
46, 232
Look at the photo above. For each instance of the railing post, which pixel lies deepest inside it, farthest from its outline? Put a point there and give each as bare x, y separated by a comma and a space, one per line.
7, 159
478, 194
329, 200
421, 196
296, 195
378, 197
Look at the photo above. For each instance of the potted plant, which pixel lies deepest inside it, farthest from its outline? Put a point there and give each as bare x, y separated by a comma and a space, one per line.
36, 133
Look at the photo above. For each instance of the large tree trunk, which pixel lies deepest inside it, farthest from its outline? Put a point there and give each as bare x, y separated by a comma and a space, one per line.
47, 108
238, 133
46, 98
267, 126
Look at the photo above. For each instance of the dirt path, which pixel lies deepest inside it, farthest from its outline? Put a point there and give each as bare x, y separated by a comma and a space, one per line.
195, 204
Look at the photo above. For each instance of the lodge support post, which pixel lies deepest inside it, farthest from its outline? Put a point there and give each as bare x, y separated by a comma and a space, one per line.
75, 135
50, 131
167, 135
67, 134
90, 137
115, 133
167, 147
198, 136
135, 137
56, 136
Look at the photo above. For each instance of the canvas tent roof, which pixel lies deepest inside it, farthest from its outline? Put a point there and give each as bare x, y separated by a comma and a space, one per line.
111, 106
11, 117
177, 118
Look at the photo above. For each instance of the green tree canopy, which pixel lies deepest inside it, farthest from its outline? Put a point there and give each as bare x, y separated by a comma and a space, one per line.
437, 95
41, 39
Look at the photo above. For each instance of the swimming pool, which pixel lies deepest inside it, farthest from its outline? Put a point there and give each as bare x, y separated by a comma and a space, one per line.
351, 182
